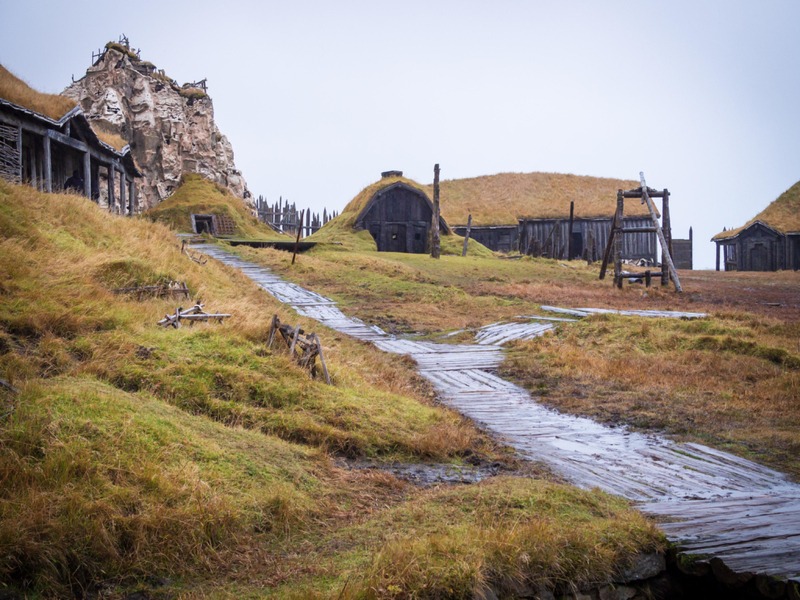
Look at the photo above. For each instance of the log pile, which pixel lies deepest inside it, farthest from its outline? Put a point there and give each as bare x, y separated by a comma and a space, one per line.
196, 313
304, 347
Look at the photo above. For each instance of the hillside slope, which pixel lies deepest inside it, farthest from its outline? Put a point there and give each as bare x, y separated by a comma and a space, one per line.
134, 453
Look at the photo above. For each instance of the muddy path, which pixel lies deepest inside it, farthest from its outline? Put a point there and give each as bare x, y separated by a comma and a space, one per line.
728, 510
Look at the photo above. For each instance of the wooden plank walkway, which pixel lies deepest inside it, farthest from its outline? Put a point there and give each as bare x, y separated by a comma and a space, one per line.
743, 513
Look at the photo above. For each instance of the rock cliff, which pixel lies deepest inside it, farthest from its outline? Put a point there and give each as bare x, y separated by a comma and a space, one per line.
170, 129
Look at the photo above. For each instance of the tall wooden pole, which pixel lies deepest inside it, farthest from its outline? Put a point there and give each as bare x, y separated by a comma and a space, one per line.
667, 229
569, 241
466, 236
618, 242
665, 255
436, 248
297, 242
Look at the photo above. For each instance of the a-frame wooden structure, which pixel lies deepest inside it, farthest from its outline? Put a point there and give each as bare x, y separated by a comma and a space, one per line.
664, 236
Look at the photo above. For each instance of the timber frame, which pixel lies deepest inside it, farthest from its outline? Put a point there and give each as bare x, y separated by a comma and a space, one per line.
44, 152
664, 236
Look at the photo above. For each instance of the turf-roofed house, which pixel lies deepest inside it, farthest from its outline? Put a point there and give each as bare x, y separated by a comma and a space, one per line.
47, 142
530, 212
768, 242
397, 213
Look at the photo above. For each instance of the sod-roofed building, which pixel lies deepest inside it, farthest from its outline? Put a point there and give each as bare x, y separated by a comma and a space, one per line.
530, 212
768, 242
47, 142
396, 212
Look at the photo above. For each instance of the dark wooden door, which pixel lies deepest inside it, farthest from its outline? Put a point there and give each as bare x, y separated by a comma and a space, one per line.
395, 237
759, 258
419, 240
577, 244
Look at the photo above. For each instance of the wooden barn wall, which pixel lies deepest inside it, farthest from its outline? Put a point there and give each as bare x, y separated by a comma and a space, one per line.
634, 246
399, 221
498, 239
682, 254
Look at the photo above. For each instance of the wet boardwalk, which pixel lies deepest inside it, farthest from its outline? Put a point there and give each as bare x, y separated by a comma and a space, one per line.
733, 509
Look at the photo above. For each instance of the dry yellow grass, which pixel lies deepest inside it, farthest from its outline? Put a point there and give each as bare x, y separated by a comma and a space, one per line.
106, 134
783, 214
13, 89
503, 198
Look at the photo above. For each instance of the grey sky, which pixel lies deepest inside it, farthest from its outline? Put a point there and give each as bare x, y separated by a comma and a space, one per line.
318, 97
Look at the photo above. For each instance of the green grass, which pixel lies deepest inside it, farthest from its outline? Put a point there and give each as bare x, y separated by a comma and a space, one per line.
196, 195
200, 455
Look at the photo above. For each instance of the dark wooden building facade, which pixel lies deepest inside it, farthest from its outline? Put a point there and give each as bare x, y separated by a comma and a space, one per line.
551, 237
758, 247
46, 153
499, 238
399, 218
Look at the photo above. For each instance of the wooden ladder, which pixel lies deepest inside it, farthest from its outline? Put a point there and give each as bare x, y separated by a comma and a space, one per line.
617, 230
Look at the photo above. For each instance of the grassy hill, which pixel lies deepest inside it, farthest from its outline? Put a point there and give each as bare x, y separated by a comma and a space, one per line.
340, 230
133, 452
503, 198
199, 196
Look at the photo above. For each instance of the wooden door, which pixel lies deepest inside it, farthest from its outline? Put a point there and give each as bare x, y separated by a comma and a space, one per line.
759, 258
395, 237
419, 241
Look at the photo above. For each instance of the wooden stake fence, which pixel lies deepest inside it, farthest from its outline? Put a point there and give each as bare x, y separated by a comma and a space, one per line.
286, 218
304, 349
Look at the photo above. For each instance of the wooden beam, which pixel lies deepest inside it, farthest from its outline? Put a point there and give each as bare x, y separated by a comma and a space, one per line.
297, 241
618, 243
19, 151
610, 242
717, 255
436, 248
123, 209
569, 241
466, 235
111, 196
48, 165
667, 229
67, 141
87, 174
665, 255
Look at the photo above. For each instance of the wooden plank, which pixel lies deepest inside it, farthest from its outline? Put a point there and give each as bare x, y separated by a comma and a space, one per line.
466, 236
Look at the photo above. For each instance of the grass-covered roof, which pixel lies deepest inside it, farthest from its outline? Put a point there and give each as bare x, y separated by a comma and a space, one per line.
198, 196
783, 215
503, 198
13, 89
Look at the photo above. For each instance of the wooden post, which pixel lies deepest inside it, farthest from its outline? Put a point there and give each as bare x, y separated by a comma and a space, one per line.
665, 254
134, 200
466, 236
294, 340
717, 256
19, 155
123, 208
112, 203
48, 166
569, 241
667, 229
647, 279
273, 329
297, 240
618, 242
610, 242
87, 174
435, 242
322, 360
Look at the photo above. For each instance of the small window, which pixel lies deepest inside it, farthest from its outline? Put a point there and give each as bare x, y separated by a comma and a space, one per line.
394, 236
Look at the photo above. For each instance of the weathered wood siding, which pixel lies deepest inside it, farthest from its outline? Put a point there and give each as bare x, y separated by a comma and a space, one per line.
757, 248
634, 245
499, 239
399, 220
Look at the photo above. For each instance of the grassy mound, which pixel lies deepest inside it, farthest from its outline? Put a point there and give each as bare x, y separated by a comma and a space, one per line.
199, 196
13, 89
783, 214
340, 230
503, 198
200, 455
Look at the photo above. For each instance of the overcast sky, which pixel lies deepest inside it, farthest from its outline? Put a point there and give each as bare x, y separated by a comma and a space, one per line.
318, 98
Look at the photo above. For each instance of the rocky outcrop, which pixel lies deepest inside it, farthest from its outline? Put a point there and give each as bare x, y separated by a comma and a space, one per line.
170, 130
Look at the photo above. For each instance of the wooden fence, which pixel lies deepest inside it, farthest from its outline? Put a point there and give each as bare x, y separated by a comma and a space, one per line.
284, 217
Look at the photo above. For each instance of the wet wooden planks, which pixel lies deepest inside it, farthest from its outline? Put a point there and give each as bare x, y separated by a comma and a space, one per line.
731, 508
660, 314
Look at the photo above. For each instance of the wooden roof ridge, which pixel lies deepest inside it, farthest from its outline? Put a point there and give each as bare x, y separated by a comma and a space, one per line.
731, 234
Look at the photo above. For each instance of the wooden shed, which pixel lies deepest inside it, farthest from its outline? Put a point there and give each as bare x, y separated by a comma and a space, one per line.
397, 213
769, 242
60, 150
520, 211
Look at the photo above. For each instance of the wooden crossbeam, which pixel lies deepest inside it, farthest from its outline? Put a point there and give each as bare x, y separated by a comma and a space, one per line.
665, 253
